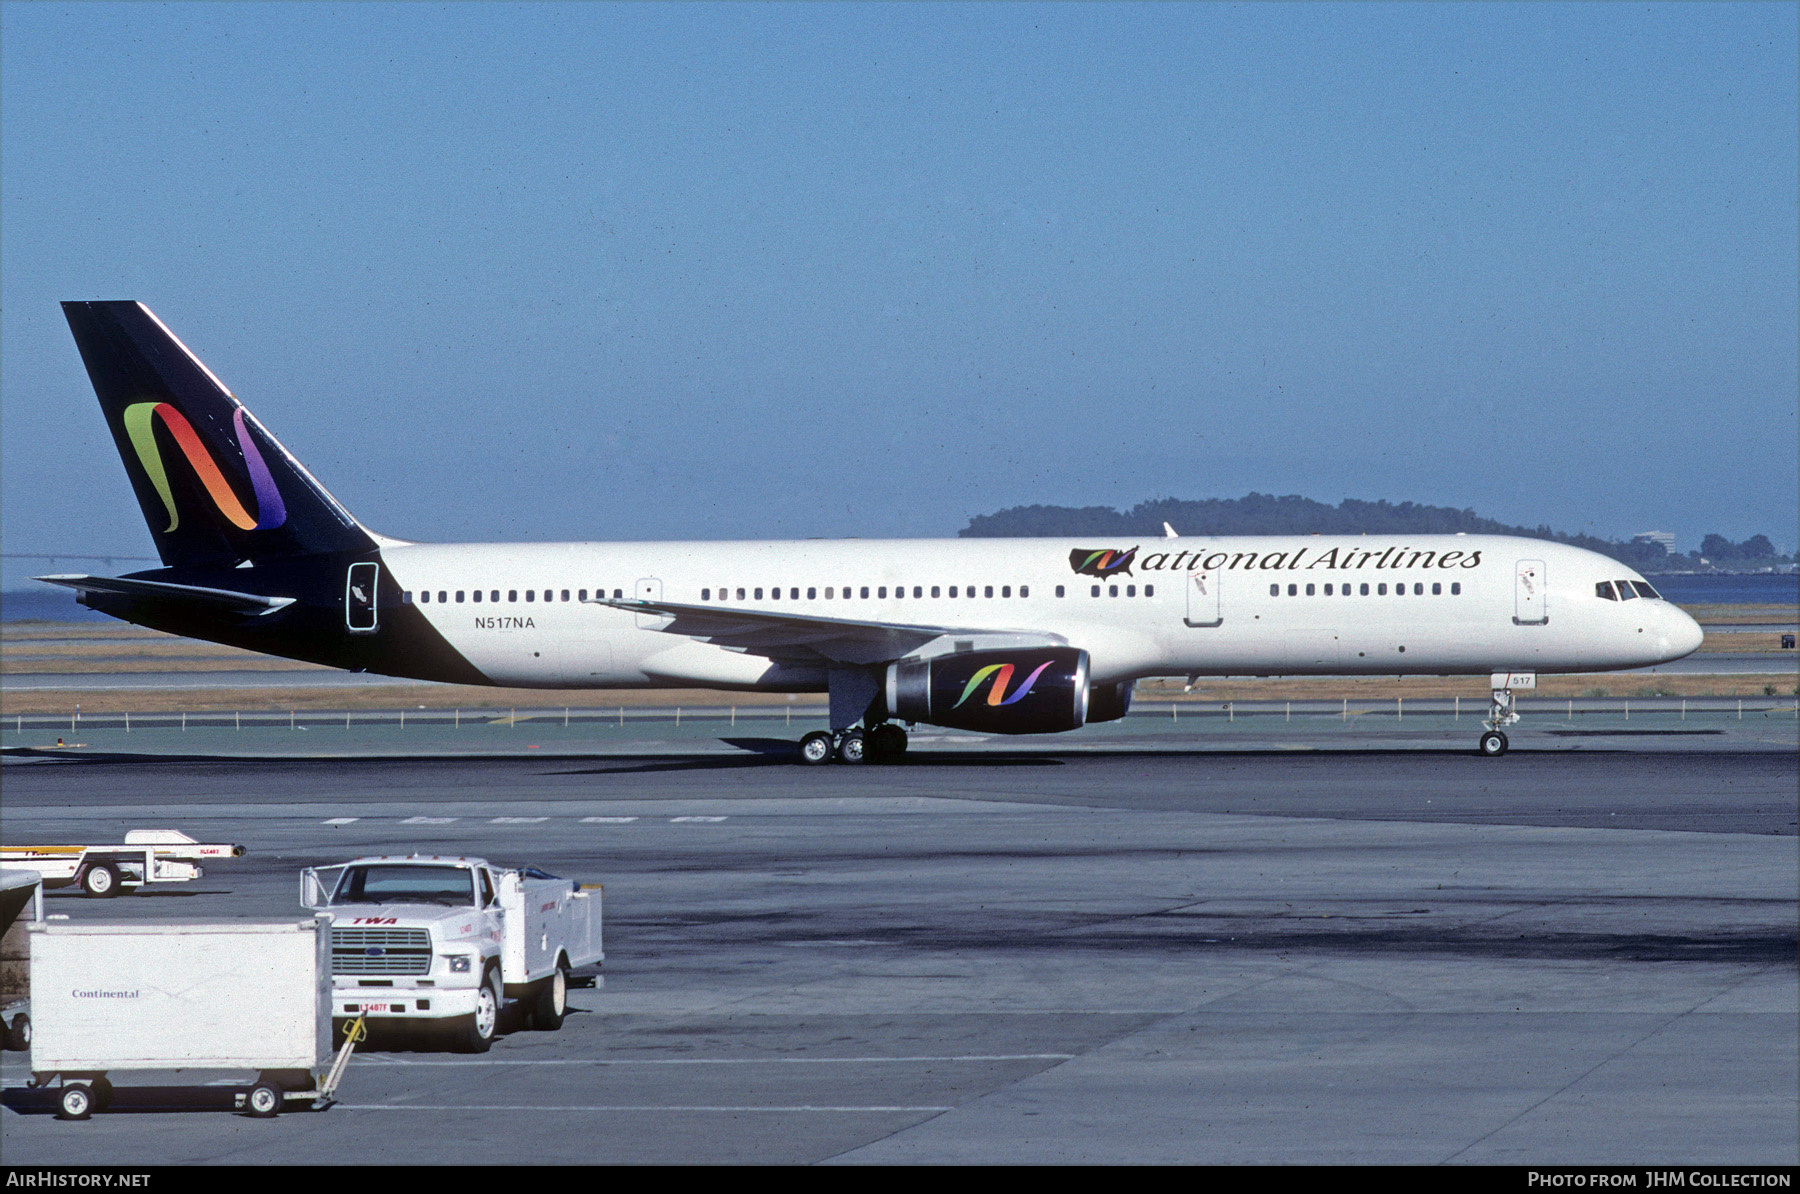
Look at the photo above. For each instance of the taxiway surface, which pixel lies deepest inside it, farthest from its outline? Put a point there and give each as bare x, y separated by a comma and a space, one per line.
1369, 956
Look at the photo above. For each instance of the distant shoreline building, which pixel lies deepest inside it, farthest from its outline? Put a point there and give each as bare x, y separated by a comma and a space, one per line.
1663, 537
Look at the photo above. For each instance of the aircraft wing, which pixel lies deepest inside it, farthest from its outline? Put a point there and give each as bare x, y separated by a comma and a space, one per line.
241, 603
793, 637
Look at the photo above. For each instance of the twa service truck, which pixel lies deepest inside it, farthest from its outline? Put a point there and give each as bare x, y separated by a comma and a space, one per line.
447, 942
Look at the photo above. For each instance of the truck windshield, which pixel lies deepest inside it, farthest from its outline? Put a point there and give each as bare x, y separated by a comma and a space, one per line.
405, 885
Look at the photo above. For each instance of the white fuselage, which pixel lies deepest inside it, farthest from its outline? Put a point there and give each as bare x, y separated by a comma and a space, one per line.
1445, 605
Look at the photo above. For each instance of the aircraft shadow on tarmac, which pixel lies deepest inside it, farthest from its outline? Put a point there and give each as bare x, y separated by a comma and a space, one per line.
781, 752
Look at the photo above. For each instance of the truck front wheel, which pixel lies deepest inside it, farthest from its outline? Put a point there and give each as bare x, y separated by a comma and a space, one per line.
476, 1032
550, 1004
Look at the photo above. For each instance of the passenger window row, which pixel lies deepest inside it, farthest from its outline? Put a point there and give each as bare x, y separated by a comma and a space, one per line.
851, 592
1628, 589
445, 596
1381, 589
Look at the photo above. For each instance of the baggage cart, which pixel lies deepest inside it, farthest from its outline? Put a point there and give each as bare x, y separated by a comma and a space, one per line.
216, 995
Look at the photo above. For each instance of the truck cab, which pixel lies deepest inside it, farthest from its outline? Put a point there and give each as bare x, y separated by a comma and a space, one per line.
448, 942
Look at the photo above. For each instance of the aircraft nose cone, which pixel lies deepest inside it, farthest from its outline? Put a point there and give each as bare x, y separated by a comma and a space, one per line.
1681, 635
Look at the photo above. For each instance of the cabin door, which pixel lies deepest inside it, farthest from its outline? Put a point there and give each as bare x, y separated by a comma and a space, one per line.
1530, 599
360, 586
1203, 597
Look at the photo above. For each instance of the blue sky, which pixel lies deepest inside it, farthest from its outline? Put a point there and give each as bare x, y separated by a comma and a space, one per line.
685, 271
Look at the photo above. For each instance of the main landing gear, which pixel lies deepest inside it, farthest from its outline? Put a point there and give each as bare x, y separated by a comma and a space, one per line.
877, 744
1500, 713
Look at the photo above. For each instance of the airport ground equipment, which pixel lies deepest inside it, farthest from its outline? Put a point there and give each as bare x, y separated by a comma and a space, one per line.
145, 856
19, 890
448, 942
183, 995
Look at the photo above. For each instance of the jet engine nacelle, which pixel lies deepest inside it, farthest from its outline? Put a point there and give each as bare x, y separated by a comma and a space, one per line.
1042, 690
1110, 702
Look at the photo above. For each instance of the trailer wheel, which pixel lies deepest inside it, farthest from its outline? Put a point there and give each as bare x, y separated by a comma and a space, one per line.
263, 1101
100, 880
551, 1004
475, 1033
75, 1102
18, 1037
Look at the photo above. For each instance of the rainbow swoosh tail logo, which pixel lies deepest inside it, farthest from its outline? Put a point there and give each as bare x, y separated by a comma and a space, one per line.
1002, 674
140, 420
214, 487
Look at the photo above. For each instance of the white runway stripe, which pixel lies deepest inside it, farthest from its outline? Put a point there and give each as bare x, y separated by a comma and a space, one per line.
617, 1107
373, 1059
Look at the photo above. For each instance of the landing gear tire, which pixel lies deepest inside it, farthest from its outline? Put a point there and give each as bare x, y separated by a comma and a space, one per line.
76, 1101
1493, 744
100, 880
852, 747
263, 1101
816, 748
886, 742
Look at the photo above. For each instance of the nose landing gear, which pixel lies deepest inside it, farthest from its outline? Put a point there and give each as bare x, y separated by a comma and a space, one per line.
1501, 713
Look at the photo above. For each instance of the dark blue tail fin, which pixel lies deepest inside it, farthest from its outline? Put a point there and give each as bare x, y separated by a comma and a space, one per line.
215, 487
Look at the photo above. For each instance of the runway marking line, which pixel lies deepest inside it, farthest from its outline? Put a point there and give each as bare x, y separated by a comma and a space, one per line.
342, 820
679, 820
607, 820
618, 1107
965, 1057
430, 820
518, 820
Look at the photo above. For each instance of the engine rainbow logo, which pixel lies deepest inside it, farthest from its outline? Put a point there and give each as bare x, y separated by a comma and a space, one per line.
139, 419
1108, 561
1003, 674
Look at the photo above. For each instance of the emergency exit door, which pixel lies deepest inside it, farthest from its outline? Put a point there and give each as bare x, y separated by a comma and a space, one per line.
650, 589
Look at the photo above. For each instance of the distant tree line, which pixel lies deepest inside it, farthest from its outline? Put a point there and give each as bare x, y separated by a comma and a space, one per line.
1265, 514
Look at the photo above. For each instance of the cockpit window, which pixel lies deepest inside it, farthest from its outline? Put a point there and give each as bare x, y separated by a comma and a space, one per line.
1644, 589
1605, 589
1626, 592
405, 885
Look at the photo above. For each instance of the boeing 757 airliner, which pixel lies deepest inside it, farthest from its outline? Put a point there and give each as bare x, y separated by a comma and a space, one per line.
1004, 636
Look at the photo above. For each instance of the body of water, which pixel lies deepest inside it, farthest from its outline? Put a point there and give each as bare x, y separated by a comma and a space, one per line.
46, 605
1759, 589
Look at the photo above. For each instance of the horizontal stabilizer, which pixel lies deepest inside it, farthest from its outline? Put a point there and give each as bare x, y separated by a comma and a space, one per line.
242, 603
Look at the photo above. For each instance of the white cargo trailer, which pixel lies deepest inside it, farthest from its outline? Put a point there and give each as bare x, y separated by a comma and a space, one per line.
219, 995
145, 856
